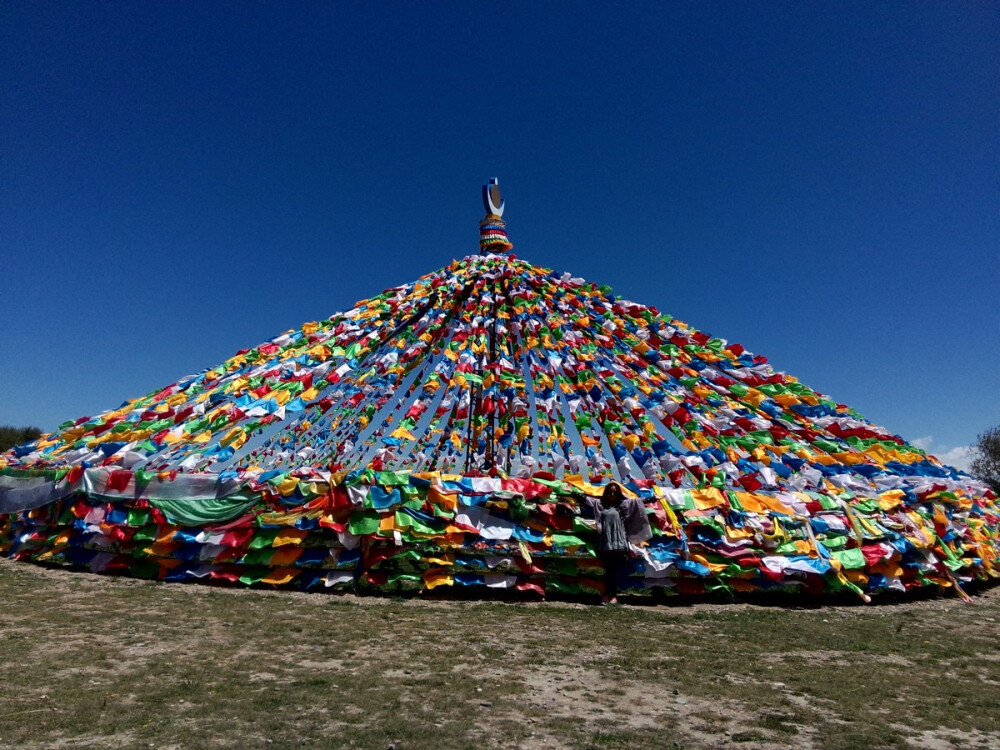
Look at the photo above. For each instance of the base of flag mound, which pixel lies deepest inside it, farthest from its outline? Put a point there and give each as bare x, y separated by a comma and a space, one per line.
400, 532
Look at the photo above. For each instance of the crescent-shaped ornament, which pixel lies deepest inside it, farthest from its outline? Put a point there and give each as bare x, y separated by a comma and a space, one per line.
491, 198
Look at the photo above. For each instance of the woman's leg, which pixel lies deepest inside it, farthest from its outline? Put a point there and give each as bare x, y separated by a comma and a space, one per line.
612, 564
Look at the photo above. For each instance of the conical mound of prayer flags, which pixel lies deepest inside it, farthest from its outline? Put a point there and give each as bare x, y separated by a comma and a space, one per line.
451, 432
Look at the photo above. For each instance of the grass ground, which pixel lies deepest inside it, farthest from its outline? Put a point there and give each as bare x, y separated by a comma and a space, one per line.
89, 661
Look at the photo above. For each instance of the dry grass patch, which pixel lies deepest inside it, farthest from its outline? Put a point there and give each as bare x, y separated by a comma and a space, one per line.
88, 661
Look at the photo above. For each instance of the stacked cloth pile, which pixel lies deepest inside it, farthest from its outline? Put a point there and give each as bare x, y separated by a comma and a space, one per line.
448, 433
425, 530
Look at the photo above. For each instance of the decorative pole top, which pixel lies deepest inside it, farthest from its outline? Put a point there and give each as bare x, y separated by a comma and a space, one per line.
492, 201
492, 229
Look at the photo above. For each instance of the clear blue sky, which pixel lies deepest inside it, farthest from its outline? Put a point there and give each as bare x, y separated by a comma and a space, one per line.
818, 182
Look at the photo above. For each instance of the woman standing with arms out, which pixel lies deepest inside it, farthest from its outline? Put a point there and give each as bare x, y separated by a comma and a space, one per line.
612, 548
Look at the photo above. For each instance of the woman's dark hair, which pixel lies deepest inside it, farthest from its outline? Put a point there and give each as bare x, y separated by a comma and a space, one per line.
612, 496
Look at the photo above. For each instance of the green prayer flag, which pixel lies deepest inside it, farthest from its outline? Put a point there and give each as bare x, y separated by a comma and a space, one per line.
362, 523
200, 512
263, 538
851, 559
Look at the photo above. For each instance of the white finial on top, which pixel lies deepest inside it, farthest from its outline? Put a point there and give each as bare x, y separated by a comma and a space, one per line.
492, 230
491, 198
